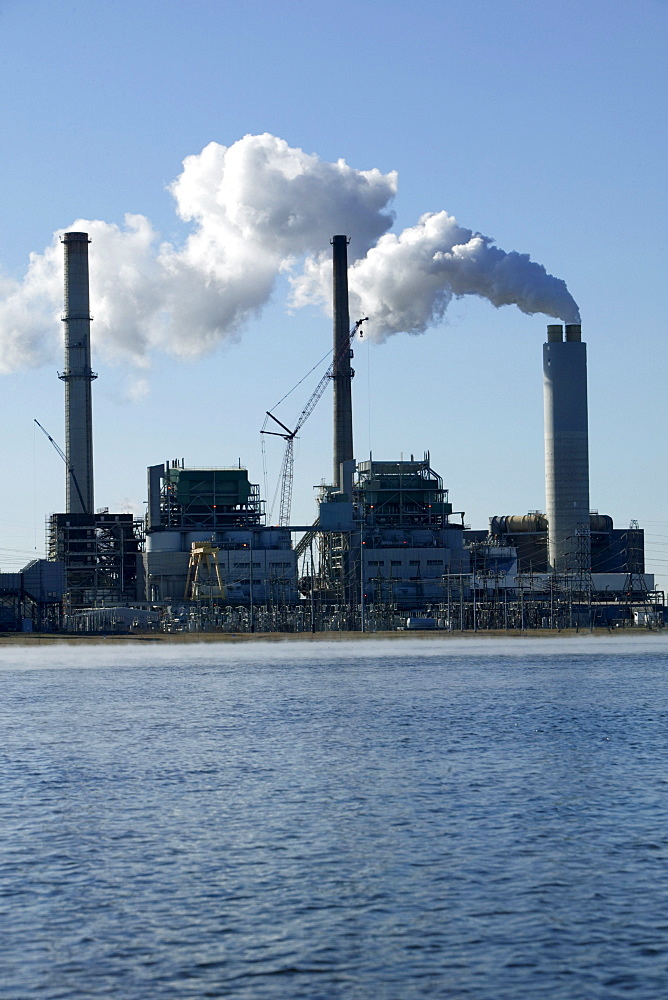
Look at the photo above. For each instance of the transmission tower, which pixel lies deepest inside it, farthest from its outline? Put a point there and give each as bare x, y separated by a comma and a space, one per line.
583, 585
635, 582
635, 585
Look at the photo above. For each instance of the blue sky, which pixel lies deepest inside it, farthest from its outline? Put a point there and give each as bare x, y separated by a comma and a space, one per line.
539, 124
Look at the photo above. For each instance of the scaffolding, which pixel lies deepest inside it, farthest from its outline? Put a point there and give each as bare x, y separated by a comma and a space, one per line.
101, 556
206, 499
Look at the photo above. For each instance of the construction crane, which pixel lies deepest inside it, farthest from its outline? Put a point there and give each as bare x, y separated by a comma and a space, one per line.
69, 467
287, 467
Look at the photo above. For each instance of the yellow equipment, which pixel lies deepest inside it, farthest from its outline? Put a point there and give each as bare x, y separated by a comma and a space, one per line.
204, 579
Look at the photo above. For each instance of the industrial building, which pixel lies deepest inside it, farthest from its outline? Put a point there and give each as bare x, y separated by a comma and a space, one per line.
31, 600
611, 550
206, 537
393, 541
101, 556
569, 548
385, 542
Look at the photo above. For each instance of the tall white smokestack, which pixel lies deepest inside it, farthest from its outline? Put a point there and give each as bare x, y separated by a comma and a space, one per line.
566, 449
78, 377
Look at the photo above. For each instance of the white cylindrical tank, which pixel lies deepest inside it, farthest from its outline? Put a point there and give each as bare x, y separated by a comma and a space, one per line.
566, 449
163, 541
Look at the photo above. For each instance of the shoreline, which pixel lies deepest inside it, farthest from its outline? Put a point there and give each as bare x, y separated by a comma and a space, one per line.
75, 639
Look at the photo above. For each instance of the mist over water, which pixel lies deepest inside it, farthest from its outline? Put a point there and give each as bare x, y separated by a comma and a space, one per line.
290, 651
462, 818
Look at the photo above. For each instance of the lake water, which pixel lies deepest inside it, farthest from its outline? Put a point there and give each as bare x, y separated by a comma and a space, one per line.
473, 819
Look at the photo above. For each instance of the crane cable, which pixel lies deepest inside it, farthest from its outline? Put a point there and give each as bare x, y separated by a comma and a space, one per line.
266, 420
296, 386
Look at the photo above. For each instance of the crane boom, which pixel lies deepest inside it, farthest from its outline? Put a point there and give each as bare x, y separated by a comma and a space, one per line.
287, 468
69, 468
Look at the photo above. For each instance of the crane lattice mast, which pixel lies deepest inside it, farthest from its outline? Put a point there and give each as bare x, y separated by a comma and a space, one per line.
287, 468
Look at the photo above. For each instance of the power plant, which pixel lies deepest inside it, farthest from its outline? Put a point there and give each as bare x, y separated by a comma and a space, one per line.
385, 551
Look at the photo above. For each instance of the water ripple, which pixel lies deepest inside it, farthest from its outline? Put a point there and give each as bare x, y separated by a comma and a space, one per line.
477, 825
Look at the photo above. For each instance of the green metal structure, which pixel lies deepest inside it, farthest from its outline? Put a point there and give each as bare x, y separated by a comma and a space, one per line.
402, 493
206, 498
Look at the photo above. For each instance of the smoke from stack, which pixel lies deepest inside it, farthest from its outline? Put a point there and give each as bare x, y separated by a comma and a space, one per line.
406, 282
255, 210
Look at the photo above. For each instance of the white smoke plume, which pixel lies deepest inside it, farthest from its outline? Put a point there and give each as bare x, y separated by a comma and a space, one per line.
259, 208
406, 282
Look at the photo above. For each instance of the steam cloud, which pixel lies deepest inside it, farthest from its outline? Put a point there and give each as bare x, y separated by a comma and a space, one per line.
259, 208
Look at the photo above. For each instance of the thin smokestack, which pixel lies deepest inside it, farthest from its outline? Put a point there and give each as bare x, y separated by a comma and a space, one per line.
78, 377
342, 375
566, 449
